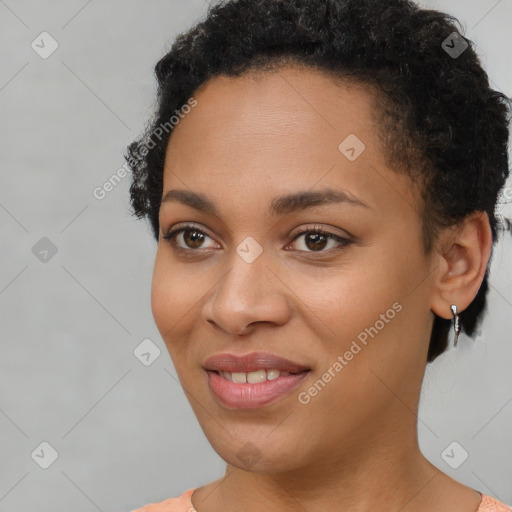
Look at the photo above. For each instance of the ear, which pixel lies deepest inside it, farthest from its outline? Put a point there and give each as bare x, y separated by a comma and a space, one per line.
462, 255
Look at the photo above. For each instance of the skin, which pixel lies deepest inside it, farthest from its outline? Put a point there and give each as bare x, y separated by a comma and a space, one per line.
354, 445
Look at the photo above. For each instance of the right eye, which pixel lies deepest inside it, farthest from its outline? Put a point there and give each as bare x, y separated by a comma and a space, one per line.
190, 236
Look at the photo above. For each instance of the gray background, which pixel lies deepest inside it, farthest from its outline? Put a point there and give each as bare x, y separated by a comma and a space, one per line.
124, 432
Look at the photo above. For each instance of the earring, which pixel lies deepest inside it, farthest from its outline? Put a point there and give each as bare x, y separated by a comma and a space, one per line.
456, 325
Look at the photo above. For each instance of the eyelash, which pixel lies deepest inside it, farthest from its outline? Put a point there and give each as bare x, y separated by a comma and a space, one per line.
171, 235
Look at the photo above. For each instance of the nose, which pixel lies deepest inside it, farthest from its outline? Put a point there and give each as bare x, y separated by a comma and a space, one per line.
247, 294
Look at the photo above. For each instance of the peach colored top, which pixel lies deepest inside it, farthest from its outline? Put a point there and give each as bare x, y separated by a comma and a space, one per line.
183, 503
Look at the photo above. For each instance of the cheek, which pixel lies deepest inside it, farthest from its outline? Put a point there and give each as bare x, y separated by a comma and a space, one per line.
176, 296
168, 305
345, 301
361, 297
169, 295
159, 295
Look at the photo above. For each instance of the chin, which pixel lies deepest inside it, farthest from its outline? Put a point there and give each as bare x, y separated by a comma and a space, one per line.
257, 454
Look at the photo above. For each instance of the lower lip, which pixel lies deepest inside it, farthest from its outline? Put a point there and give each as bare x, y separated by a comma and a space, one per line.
250, 396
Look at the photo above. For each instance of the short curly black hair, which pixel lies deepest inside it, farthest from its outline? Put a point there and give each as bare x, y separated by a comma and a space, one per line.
440, 121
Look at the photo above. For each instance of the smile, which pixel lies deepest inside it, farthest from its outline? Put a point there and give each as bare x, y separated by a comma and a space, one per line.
240, 390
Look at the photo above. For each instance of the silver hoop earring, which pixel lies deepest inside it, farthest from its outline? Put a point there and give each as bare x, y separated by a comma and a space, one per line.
456, 324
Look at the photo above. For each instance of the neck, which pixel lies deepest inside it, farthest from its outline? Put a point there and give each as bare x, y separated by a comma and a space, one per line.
360, 476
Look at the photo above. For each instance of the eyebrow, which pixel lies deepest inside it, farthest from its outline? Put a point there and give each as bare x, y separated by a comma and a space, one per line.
280, 205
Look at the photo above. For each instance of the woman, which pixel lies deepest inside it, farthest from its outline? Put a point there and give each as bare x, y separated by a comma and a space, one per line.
324, 208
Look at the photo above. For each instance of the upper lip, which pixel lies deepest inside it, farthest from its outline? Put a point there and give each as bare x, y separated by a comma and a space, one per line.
251, 362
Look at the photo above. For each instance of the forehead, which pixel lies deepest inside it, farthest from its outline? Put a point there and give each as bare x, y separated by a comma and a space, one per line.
280, 131
292, 100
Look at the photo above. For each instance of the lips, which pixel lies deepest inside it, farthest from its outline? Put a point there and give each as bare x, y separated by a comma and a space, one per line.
252, 362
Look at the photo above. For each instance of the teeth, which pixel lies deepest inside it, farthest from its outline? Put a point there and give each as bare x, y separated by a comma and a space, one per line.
239, 377
253, 377
272, 374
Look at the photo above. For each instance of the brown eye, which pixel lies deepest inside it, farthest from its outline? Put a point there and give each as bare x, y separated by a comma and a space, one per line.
193, 238
315, 241
186, 238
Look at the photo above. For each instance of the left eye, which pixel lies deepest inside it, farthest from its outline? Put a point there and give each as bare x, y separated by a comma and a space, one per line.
317, 239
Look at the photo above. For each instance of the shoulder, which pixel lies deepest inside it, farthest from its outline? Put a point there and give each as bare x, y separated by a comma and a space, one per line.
181, 503
490, 504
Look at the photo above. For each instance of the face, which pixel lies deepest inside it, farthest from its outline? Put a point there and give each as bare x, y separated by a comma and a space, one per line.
303, 244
